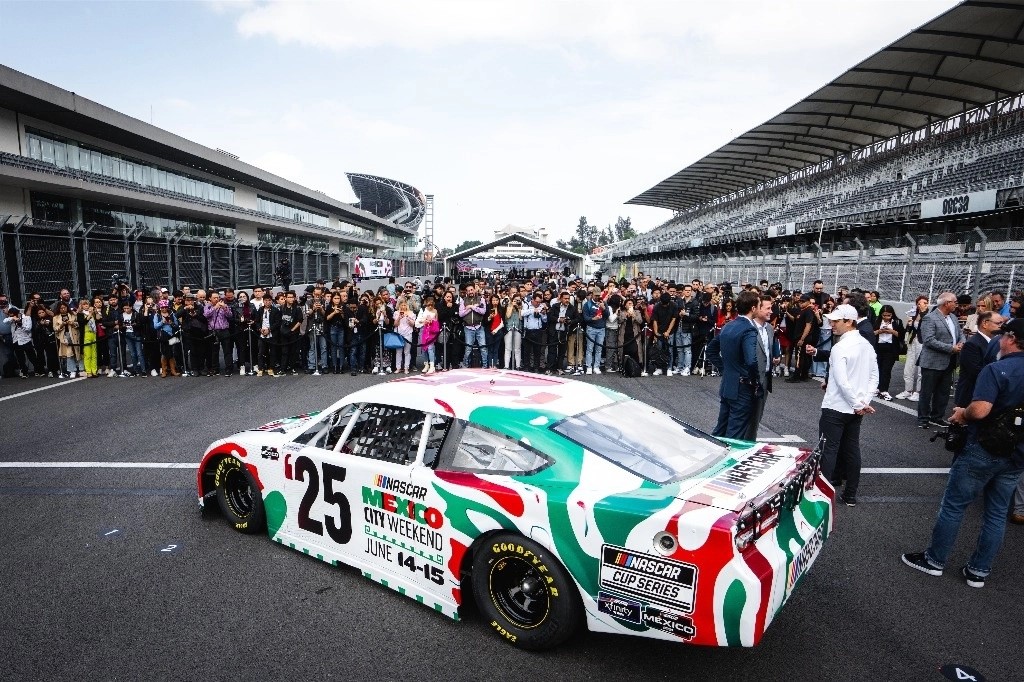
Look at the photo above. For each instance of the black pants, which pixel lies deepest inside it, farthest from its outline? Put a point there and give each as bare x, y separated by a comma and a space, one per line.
23, 352
556, 351
840, 454
532, 347
269, 353
886, 359
935, 385
289, 352
803, 370
47, 353
222, 344
196, 354
244, 344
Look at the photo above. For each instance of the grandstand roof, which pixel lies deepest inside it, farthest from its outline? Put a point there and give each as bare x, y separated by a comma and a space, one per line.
389, 199
966, 58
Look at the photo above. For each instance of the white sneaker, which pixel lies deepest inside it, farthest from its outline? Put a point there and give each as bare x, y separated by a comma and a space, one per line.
657, 372
914, 397
643, 374
589, 371
241, 371
669, 373
110, 372
685, 372
153, 373
597, 370
785, 371
903, 395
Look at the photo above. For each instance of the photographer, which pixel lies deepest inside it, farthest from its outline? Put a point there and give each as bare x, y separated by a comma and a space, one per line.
562, 318
21, 336
267, 322
316, 326
245, 336
130, 325
356, 321
514, 335
630, 336
284, 274
109, 319
595, 313
335, 323
472, 310
218, 318
150, 342
291, 322
194, 332
62, 331
535, 317
6, 344
165, 324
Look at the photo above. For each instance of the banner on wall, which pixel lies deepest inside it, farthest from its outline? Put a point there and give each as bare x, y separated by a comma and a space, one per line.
959, 204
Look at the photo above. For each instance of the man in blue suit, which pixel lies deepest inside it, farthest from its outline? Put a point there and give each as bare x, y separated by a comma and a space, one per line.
734, 353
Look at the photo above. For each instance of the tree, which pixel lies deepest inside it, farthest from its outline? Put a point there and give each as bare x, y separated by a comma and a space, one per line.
624, 229
467, 245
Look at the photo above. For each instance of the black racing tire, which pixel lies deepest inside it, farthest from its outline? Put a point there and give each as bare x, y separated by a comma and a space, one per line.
239, 497
525, 593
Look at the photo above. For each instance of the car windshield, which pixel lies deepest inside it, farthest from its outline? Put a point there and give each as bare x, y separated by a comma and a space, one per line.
643, 440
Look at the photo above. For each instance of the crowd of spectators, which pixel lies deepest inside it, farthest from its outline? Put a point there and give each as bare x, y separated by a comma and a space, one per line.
552, 324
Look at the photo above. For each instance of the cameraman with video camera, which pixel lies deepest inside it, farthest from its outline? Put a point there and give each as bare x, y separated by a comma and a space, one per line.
284, 274
21, 337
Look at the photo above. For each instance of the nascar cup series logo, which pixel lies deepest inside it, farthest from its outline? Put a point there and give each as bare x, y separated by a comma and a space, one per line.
651, 578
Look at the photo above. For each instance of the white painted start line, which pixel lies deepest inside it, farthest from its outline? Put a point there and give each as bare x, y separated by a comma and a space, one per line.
42, 388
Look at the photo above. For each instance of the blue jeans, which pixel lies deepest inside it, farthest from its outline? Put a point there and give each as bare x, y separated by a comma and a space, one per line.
684, 350
595, 347
475, 337
975, 472
115, 347
317, 355
337, 357
133, 353
356, 353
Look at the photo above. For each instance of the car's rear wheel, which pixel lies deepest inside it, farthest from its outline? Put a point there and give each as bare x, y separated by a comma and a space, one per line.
525, 592
239, 497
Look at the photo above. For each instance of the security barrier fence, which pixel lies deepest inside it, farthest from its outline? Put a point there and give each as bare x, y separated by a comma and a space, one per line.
899, 268
47, 257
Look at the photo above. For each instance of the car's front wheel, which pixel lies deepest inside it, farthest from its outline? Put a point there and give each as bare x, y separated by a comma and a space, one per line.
239, 497
525, 592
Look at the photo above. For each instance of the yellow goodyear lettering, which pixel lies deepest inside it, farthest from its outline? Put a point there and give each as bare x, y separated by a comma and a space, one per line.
222, 467
504, 633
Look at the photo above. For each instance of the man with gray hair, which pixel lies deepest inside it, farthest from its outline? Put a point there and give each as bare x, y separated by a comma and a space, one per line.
941, 341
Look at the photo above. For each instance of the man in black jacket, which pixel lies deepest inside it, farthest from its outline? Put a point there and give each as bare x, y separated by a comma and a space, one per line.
972, 356
267, 323
688, 312
356, 320
194, 331
562, 318
291, 322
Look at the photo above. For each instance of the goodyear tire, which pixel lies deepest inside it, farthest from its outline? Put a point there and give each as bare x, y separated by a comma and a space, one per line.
239, 497
525, 593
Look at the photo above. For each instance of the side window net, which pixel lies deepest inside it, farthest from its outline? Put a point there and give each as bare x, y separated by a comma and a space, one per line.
326, 432
386, 433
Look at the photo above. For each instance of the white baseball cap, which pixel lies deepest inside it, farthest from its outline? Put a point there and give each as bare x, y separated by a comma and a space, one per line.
843, 312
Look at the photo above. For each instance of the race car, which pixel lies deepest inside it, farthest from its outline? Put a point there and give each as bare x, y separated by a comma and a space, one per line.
556, 504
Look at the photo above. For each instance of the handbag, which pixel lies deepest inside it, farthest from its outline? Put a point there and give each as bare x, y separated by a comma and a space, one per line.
393, 341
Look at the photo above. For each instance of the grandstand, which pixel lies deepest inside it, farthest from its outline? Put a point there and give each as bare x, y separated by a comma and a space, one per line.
389, 199
916, 146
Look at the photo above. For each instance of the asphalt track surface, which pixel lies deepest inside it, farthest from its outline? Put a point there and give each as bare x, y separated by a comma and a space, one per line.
112, 573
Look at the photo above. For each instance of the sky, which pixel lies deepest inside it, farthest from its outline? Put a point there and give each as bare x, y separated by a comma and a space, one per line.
524, 112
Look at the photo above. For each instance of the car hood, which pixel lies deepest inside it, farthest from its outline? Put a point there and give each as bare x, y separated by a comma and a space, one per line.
286, 424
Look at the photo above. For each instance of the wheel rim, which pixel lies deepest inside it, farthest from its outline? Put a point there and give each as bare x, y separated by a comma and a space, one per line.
238, 492
519, 592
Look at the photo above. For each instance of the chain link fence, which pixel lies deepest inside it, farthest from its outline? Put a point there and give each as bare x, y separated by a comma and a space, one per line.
48, 257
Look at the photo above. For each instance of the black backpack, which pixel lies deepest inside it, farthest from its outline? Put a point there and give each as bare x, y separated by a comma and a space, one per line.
630, 367
1001, 434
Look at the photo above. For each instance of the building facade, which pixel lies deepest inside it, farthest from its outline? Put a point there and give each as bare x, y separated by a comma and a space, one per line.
73, 167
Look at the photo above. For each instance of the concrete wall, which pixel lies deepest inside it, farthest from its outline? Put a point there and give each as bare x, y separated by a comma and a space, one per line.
13, 200
9, 132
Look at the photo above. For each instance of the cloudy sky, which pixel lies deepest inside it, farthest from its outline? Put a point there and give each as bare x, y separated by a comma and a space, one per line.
519, 112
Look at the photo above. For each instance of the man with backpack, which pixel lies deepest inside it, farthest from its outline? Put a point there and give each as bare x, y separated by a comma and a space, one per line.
990, 463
